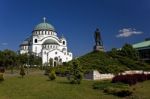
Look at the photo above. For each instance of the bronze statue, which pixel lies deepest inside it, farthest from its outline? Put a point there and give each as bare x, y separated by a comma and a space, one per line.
97, 37
98, 41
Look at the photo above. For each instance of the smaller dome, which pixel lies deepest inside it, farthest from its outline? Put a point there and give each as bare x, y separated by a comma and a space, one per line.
26, 42
50, 41
44, 26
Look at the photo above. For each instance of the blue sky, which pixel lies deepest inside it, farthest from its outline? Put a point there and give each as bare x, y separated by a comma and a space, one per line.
120, 21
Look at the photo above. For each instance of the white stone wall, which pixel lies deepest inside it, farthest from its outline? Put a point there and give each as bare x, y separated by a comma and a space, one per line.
95, 75
134, 72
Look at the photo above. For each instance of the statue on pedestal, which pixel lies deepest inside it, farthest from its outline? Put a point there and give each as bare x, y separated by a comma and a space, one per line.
98, 41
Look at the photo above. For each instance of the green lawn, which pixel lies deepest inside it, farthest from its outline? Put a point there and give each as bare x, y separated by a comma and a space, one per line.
38, 86
142, 90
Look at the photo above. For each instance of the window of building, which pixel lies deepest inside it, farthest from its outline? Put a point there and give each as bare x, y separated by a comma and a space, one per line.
63, 42
55, 52
35, 41
56, 58
60, 60
64, 49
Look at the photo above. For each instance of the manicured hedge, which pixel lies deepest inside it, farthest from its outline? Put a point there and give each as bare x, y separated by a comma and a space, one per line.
131, 79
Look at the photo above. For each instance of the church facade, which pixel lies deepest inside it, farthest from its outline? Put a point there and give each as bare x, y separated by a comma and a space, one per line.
45, 43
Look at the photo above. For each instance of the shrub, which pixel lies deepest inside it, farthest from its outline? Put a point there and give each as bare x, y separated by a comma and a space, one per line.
52, 75
131, 79
124, 93
148, 76
22, 71
2, 69
61, 71
111, 90
118, 91
75, 75
1, 77
75, 79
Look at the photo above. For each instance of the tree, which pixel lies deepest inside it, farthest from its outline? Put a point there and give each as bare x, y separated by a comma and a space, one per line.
22, 71
2, 59
128, 51
76, 74
23, 58
52, 74
113, 53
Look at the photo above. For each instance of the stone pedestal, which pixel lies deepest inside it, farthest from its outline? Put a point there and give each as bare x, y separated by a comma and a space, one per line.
98, 48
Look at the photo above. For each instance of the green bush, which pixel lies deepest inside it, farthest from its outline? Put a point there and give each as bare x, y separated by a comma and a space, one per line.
1, 77
124, 93
111, 90
118, 92
75, 79
22, 71
75, 75
52, 75
117, 89
105, 84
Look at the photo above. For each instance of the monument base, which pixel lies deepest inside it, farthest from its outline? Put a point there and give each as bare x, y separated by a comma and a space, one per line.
98, 48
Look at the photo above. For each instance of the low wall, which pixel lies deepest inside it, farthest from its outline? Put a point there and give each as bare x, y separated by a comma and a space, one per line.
95, 75
134, 72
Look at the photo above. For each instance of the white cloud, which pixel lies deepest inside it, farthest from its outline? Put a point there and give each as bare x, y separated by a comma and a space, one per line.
4, 44
127, 32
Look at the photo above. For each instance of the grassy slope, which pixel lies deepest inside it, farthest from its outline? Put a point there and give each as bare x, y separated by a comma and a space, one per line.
38, 87
105, 63
101, 61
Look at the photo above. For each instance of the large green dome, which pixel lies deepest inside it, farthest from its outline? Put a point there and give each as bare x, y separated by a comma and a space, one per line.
44, 26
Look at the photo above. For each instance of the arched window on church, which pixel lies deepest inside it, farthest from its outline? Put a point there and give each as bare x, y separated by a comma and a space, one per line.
63, 42
56, 58
35, 41
60, 60
51, 61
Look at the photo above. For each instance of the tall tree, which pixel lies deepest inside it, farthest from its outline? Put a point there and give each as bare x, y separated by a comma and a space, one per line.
128, 51
75, 72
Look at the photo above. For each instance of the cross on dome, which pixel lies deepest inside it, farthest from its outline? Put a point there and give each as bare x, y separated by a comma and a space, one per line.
44, 19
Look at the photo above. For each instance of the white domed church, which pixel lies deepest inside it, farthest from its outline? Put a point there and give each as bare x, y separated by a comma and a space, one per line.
45, 43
